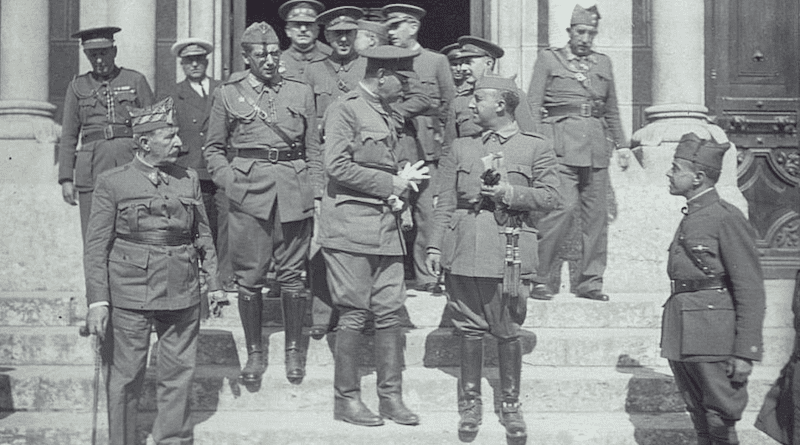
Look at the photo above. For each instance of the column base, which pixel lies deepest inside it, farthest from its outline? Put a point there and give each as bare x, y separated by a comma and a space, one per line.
28, 119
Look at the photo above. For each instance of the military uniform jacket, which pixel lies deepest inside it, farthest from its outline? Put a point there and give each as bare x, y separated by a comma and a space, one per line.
331, 79
472, 243
360, 163
255, 185
90, 106
137, 198
437, 84
558, 80
191, 113
295, 62
711, 325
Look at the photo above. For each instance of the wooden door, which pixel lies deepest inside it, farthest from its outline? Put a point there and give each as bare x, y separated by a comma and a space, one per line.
752, 89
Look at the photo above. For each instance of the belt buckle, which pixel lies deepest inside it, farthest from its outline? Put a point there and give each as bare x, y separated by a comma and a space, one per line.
270, 152
586, 110
108, 132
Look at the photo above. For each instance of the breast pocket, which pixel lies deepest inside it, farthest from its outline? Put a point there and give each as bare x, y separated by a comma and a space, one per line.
468, 183
86, 107
520, 175
132, 212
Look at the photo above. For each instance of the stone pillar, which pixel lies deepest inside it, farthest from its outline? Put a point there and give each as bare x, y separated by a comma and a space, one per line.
647, 215
137, 40
35, 224
24, 66
515, 29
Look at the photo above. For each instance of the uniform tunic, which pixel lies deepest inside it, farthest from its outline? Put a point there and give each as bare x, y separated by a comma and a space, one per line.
583, 122
359, 233
295, 62
471, 242
259, 189
330, 79
148, 286
703, 328
92, 106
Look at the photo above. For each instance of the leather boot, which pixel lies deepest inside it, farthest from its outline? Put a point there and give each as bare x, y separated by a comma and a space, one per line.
389, 364
250, 307
510, 358
470, 406
347, 405
294, 304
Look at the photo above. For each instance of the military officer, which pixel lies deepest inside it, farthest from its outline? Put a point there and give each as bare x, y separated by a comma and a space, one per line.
370, 34
712, 322
96, 111
361, 242
477, 222
476, 58
192, 99
147, 230
451, 51
331, 78
269, 122
575, 87
301, 28
404, 22
341, 71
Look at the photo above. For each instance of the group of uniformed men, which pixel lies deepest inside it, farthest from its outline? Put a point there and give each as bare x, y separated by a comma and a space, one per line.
320, 157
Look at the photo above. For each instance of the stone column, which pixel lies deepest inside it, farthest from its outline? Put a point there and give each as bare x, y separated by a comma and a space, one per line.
137, 40
36, 226
24, 67
515, 29
647, 215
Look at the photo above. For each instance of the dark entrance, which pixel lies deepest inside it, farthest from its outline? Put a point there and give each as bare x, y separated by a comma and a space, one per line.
445, 21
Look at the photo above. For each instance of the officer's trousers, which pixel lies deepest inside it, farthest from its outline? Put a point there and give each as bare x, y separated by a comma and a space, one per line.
713, 401
175, 357
361, 284
422, 213
583, 188
254, 242
478, 307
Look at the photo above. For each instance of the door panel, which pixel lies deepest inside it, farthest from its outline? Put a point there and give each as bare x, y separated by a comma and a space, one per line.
752, 87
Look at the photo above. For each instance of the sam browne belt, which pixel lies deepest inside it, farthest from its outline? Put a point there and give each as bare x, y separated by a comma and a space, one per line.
157, 238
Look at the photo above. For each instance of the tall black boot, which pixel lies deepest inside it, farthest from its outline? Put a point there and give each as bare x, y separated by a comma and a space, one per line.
389, 364
294, 306
510, 358
250, 307
347, 383
470, 406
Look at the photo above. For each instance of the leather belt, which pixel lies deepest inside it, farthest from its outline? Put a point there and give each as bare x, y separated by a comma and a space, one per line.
586, 109
108, 132
157, 238
680, 286
273, 154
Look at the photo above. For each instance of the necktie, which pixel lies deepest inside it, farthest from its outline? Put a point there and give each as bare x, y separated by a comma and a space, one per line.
203, 90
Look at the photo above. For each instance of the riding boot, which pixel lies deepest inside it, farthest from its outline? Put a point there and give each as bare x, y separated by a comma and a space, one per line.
389, 364
470, 406
294, 305
347, 383
250, 307
510, 358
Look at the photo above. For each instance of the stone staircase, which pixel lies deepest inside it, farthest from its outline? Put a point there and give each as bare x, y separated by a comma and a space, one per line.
592, 374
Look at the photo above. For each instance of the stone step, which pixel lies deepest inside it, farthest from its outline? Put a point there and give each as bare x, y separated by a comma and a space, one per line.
216, 388
319, 428
425, 310
429, 347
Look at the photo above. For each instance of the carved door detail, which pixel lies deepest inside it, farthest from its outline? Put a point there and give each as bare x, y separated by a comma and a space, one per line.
752, 88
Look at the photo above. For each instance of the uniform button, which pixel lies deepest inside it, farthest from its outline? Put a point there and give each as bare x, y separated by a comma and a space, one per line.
753, 348
169, 253
202, 134
711, 306
194, 121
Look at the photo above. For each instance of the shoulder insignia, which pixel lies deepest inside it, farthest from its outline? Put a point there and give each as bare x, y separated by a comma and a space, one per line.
236, 77
533, 134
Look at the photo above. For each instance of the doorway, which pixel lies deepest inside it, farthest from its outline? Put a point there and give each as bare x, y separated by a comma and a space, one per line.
444, 22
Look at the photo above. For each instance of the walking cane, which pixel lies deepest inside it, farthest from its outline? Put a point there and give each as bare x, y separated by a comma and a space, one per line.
84, 332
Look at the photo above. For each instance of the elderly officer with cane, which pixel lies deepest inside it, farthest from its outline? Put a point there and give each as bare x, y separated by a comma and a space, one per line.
147, 233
